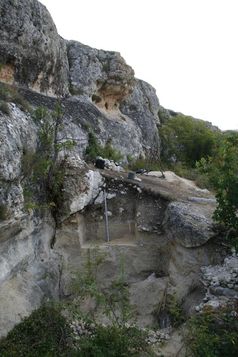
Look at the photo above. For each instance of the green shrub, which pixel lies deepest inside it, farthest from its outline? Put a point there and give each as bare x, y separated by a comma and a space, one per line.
113, 341
221, 170
40, 113
118, 339
149, 165
18, 99
4, 93
201, 179
94, 149
110, 153
43, 176
213, 334
44, 333
187, 140
114, 300
3, 212
10, 94
4, 108
175, 311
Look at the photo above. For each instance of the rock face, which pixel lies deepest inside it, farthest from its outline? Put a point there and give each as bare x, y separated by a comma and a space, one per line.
102, 83
100, 75
32, 53
159, 228
143, 106
127, 102
18, 136
190, 224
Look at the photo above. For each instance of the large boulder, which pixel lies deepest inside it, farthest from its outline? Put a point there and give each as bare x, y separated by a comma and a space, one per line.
81, 186
189, 224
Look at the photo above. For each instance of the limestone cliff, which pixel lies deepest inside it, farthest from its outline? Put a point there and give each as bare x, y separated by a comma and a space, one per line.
162, 227
31, 51
103, 86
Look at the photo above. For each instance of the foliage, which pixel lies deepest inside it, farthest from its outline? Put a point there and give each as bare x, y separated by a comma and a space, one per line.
226, 184
186, 139
41, 167
222, 171
44, 333
149, 165
3, 212
174, 311
213, 333
94, 149
118, 338
113, 300
10, 94
200, 178
4, 108
40, 113
113, 341
110, 153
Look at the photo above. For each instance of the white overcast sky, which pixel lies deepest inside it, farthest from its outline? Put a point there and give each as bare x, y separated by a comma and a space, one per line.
187, 49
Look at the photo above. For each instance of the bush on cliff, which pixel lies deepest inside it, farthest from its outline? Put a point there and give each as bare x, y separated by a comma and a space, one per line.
222, 171
185, 139
213, 333
44, 333
94, 149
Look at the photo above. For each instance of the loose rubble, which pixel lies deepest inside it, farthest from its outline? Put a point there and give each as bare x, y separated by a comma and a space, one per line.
82, 328
221, 282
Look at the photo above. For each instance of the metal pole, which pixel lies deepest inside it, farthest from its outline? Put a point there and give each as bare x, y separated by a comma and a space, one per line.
106, 216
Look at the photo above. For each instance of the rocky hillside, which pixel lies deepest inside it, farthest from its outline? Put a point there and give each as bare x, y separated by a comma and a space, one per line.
53, 94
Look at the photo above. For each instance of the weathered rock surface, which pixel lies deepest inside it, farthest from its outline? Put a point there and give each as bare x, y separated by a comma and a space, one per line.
101, 75
107, 97
144, 297
81, 116
189, 224
143, 106
32, 53
81, 186
30, 270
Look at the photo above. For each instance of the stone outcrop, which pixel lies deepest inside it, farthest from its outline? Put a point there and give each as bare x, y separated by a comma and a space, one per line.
100, 75
104, 89
143, 107
32, 53
18, 136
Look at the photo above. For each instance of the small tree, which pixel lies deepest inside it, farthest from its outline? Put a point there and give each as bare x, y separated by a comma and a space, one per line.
186, 139
222, 170
226, 183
